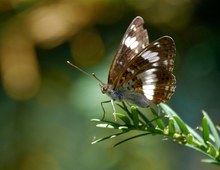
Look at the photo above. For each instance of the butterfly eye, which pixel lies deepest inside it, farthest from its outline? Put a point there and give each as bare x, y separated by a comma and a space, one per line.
104, 88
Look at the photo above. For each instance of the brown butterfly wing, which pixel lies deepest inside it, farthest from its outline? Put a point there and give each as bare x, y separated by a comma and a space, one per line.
134, 41
150, 72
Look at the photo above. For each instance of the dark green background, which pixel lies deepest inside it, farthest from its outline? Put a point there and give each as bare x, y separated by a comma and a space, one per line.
51, 128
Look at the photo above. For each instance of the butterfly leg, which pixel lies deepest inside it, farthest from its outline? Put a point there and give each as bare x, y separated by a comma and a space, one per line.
114, 113
114, 110
156, 107
108, 101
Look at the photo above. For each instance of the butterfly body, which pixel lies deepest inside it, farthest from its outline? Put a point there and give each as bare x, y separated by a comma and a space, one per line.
123, 94
141, 72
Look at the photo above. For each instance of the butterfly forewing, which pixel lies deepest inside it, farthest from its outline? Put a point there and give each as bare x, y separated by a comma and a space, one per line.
133, 42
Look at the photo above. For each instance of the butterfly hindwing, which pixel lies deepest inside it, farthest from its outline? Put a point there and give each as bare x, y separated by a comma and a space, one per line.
150, 72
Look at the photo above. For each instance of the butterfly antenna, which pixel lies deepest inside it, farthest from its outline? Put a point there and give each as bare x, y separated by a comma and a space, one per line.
93, 74
90, 75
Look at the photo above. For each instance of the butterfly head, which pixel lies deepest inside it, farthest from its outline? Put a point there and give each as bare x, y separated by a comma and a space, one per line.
104, 88
113, 94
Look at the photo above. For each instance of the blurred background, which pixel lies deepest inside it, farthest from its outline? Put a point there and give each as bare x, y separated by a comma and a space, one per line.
46, 106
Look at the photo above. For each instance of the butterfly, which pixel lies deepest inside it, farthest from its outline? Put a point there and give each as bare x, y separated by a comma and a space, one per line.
141, 72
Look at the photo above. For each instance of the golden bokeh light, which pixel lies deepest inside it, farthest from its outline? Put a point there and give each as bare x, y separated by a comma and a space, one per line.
39, 160
53, 24
176, 14
19, 68
87, 48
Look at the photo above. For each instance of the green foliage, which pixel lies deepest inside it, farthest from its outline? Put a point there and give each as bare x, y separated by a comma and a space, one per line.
205, 139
